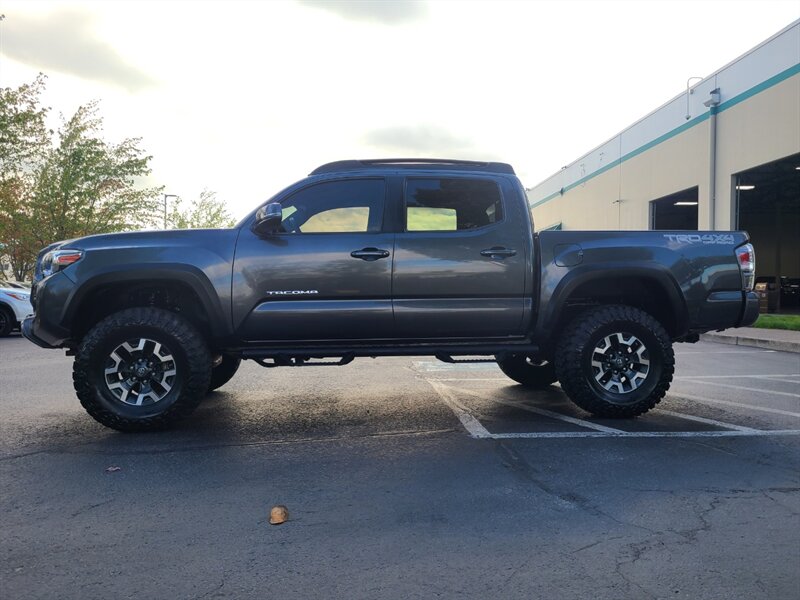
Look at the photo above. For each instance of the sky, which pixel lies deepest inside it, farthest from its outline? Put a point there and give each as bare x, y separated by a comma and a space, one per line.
244, 98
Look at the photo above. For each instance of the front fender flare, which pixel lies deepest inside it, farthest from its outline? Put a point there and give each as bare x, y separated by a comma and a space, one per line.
219, 320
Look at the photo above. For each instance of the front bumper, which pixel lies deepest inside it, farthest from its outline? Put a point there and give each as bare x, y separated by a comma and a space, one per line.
751, 309
28, 332
41, 336
46, 328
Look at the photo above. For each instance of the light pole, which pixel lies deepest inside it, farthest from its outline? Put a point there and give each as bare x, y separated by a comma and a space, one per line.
2, 18
165, 207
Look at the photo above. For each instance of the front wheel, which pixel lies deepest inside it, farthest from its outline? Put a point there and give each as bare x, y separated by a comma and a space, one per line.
615, 361
141, 369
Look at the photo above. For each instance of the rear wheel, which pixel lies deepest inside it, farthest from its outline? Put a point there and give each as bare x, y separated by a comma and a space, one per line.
224, 371
615, 361
527, 371
141, 369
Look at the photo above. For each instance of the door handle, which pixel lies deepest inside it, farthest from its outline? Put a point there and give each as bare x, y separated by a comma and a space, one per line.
498, 252
369, 253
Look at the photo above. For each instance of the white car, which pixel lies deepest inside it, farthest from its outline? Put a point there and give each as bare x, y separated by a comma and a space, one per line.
15, 305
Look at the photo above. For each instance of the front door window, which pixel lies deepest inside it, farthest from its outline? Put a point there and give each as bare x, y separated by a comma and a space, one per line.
348, 206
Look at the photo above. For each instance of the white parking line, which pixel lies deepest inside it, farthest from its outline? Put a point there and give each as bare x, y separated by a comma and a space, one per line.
783, 380
645, 434
776, 411
543, 412
682, 353
597, 426
704, 420
470, 423
759, 376
747, 389
672, 393
476, 429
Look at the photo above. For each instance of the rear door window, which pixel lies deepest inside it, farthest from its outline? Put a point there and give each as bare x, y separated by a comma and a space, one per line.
451, 204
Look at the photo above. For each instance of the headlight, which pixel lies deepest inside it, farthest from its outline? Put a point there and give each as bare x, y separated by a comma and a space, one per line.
18, 296
56, 260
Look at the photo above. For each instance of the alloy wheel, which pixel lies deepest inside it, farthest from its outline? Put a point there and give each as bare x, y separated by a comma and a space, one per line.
140, 372
620, 363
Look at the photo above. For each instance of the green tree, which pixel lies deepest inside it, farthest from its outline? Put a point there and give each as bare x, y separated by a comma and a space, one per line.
67, 184
87, 185
24, 141
205, 212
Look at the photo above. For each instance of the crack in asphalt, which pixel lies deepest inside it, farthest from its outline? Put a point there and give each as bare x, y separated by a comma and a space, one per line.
80, 511
517, 464
633, 552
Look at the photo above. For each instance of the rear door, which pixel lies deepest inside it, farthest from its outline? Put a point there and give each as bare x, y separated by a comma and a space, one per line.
460, 261
326, 275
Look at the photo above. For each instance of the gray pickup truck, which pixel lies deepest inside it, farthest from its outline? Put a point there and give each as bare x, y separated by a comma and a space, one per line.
384, 258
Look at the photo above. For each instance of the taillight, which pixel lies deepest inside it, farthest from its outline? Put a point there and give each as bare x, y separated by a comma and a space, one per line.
746, 256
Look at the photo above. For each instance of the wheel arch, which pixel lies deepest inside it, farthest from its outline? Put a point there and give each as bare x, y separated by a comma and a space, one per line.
651, 288
180, 287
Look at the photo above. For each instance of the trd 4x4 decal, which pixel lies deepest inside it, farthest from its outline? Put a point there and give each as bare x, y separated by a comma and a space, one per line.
695, 238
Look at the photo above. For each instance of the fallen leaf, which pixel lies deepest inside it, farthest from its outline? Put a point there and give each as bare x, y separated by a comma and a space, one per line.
279, 514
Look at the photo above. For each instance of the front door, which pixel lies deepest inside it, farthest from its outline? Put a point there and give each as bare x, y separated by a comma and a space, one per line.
326, 275
460, 264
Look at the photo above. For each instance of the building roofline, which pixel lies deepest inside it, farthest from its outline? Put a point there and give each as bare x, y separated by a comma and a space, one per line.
739, 58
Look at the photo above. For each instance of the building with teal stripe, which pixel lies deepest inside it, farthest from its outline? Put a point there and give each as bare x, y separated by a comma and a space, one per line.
723, 154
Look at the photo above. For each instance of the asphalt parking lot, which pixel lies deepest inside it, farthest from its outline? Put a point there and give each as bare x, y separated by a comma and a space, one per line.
406, 478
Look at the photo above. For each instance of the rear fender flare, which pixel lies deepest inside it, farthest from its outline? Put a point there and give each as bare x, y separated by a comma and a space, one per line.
657, 274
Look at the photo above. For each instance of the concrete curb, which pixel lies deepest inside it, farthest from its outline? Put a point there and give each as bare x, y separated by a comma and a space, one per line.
753, 342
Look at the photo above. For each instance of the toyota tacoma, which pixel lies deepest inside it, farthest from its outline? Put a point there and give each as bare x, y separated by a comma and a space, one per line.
384, 258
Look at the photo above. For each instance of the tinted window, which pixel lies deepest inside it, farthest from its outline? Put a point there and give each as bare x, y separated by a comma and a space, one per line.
440, 204
354, 205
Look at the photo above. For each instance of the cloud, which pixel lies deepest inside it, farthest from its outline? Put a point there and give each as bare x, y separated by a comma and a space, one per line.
422, 140
65, 41
387, 12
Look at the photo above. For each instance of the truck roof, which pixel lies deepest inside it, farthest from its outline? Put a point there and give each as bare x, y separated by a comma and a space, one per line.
435, 164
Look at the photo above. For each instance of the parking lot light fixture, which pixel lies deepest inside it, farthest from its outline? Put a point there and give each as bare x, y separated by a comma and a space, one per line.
165, 207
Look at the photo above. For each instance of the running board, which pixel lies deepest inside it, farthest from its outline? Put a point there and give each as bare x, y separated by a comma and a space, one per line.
446, 358
283, 353
302, 361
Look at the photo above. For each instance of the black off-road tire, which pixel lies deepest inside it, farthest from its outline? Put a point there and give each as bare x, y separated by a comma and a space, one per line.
224, 371
8, 321
521, 369
192, 361
573, 358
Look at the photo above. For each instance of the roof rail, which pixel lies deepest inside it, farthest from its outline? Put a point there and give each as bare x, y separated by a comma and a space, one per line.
414, 163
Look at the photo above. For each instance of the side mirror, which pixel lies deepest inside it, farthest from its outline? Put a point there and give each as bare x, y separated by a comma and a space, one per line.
268, 219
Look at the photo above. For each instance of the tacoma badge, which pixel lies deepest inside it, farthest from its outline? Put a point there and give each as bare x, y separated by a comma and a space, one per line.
292, 292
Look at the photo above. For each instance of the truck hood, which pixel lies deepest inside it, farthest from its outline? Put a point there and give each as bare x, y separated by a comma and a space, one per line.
168, 237
148, 243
